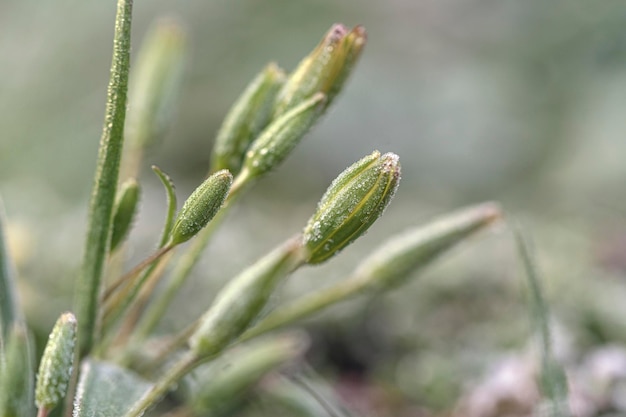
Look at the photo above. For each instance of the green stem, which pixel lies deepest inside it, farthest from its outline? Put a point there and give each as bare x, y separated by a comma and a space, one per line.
304, 307
105, 183
186, 364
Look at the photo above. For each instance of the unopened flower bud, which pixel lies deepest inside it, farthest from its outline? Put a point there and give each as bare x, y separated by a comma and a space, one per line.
56, 363
281, 136
354, 200
243, 298
155, 82
201, 206
124, 212
246, 119
394, 262
325, 69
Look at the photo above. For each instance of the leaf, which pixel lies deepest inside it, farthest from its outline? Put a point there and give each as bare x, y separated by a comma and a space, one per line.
171, 203
9, 311
88, 287
17, 373
106, 390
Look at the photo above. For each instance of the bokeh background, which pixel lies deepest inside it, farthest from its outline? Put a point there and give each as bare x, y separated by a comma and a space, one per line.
522, 102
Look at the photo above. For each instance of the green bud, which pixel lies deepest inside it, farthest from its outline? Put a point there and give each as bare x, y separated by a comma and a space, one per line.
354, 200
201, 206
325, 69
124, 212
281, 136
55, 368
243, 298
246, 119
155, 82
218, 388
393, 262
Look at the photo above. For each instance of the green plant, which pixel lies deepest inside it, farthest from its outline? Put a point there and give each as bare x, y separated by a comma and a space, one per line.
119, 372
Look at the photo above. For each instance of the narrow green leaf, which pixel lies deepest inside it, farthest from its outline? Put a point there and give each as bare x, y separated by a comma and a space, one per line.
9, 310
106, 390
17, 374
171, 204
553, 381
124, 212
88, 286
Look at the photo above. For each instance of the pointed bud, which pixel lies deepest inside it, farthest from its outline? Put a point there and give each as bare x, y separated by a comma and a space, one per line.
243, 298
124, 212
325, 69
201, 206
394, 262
56, 363
155, 82
246, 119
281, 136
354, 200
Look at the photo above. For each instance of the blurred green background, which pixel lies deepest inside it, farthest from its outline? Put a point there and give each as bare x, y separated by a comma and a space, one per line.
517, 101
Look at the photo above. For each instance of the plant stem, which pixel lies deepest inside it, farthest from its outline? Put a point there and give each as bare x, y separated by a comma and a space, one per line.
173, 375
105, 183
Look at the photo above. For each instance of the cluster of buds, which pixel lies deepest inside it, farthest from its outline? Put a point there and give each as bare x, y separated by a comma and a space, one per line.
276, 111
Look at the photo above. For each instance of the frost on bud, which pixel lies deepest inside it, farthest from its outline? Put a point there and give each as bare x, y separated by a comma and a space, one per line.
325, 69
246, 119
155, 82
392, 264
56, 363
201, 206
354, 200
124, 212
243, 299
279, 138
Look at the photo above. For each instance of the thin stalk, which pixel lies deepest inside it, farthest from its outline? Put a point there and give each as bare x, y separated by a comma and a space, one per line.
130, 275
185, 365
304, 307
553, 379
105, 183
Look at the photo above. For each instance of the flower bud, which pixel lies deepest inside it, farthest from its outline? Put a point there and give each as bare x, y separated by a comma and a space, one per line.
281, 136
56, 363
325, 69
393, 262
243, 298
246, 119
124, 212
354, 200
155, 82
201, 206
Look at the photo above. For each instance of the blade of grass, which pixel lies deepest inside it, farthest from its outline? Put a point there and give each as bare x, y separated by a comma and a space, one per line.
105, 183
553, 380
9, 310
